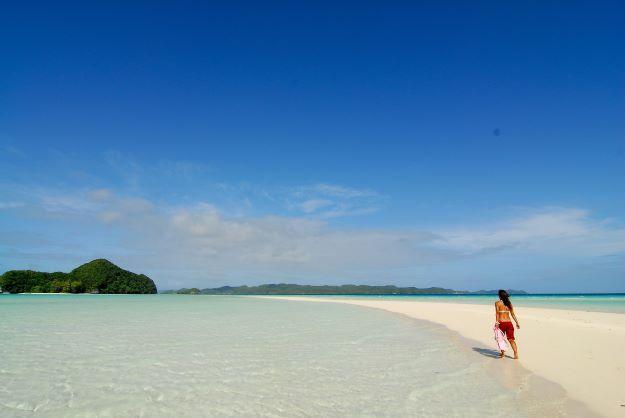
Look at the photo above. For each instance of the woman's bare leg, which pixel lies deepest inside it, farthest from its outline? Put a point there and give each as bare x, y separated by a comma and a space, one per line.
513, 345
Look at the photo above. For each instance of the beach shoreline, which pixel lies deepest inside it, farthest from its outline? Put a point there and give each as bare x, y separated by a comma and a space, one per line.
574, 349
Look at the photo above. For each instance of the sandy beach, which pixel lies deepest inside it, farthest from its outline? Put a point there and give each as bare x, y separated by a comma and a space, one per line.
581, 351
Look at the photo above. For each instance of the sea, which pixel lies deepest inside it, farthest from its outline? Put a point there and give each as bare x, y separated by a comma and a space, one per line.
590, 302
237, 356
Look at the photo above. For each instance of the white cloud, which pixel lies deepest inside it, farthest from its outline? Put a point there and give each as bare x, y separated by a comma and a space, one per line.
74, 203
341, 191
184, 169
327, 201
312, 205
203, 229
201, 239
10, 205
135, 174
101, 194
197, 244
546, 230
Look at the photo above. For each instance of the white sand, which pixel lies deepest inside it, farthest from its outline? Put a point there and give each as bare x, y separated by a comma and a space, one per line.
582, 351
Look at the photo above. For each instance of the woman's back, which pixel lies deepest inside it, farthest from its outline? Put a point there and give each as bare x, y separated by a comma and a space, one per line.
503, 312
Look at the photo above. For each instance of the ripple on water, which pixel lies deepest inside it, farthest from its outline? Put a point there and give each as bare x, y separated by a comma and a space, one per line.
229, 356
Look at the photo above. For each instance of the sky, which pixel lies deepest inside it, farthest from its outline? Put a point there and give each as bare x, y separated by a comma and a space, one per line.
465, 145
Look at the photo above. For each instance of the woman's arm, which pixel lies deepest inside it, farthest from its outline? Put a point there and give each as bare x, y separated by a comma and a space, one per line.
515, 320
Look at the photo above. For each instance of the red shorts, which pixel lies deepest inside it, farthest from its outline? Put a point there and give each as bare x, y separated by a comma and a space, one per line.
508, 329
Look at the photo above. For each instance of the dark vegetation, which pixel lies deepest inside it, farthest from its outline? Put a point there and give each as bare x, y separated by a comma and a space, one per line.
348, 289
97, 276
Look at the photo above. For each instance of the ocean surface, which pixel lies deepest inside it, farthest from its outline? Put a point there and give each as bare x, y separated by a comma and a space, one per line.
593, 302
175, 355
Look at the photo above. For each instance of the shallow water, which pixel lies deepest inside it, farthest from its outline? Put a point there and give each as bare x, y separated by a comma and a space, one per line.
610, 302
170, 355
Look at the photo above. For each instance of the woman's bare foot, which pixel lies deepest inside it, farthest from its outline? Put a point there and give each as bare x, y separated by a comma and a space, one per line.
501, 354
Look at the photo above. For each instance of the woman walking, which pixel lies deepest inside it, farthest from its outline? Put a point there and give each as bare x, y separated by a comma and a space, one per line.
503, 311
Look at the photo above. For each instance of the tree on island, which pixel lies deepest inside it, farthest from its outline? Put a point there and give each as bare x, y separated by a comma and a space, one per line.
346, 289
97, 276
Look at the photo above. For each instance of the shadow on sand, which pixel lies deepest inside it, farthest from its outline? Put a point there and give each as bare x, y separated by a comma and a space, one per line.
487, 352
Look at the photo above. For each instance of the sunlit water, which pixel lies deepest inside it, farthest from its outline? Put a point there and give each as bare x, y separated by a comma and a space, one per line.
171, 355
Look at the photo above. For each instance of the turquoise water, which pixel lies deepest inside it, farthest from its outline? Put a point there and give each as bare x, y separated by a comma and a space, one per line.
614, 302
170, 355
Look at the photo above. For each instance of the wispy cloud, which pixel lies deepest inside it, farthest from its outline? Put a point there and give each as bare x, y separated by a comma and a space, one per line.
200, 245
317, 200
157, 220
327, 201
339, 191
10, 205
544, 230
135, 174
201, 238
187, 170
313, 205
15, 152
126, 168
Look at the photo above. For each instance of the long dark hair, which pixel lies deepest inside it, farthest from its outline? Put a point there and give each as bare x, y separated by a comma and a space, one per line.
505, 298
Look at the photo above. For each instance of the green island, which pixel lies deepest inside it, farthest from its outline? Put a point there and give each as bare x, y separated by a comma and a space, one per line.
347, 289
97, 276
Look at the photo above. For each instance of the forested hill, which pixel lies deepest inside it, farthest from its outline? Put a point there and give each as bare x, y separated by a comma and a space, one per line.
97, 276
348, 289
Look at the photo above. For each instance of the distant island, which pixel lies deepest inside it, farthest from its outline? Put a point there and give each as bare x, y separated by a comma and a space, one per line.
346, 289
97, 276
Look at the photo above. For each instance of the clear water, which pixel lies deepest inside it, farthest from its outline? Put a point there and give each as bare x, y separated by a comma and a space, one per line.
171, 355
613, 302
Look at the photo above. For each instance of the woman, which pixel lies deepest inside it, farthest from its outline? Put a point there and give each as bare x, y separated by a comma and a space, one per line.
503, 310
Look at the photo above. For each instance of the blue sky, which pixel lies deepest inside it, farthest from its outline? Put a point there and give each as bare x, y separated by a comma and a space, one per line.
463, 145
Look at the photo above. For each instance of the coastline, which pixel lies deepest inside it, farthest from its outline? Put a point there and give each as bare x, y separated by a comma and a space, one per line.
50, 293
576, 349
